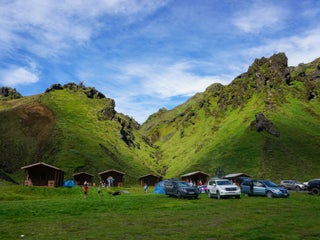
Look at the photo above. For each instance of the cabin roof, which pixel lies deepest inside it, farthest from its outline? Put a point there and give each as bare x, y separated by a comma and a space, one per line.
150, 174
194, 173
111, 170
82, 173
41, 164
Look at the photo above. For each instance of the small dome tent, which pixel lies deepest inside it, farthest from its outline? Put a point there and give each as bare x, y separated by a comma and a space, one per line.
159, 189
69, 183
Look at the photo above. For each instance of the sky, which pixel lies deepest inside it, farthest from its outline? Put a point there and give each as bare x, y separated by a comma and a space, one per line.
148, 54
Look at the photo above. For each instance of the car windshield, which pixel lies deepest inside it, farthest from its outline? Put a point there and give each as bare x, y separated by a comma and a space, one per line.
270, 184
224, 182
183, 184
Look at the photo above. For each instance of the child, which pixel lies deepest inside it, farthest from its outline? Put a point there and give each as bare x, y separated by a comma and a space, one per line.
145, 188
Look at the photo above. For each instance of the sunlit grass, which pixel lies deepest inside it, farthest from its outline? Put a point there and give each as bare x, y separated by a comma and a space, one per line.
63, 213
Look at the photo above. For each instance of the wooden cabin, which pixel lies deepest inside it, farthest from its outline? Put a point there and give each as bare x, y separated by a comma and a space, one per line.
196, 178
43, 174
81, 177
236, 177
149, 179
117, 176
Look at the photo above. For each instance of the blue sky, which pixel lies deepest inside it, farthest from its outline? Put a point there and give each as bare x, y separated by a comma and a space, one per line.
148, 54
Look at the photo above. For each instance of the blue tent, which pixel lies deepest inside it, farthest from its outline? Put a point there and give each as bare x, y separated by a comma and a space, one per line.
159, 189
69, 183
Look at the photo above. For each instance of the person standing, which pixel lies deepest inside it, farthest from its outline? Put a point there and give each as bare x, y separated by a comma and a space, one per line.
99, 191
109, 181
251, 187
112, 181
85, 189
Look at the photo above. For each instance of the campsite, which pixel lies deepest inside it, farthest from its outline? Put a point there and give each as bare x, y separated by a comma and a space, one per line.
63, 213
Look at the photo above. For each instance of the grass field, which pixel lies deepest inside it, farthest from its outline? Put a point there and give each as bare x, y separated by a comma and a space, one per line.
63, 213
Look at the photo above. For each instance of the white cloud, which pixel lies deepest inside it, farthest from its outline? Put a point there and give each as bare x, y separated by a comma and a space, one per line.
260, 16
140, 111
18, 76
140, 89
48, 28
165, 81
299, 49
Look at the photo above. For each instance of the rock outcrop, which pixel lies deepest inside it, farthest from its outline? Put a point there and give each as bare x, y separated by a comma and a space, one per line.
263, 124
9, 93
90, 92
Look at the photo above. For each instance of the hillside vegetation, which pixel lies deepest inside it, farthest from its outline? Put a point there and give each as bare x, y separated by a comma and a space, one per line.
67, 129
265, 123
218, 128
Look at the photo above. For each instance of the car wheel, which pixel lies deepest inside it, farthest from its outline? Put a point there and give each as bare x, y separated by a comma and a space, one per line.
238, 197
298, 188
209, 194
218, 195
315, 191
269, 194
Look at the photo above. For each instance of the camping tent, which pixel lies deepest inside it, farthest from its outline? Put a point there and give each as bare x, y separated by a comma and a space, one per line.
159, 189
69, 183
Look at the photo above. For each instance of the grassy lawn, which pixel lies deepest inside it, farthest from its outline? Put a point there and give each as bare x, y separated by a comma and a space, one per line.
63, 213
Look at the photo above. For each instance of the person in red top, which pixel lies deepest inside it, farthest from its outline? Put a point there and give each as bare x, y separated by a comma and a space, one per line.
85, 189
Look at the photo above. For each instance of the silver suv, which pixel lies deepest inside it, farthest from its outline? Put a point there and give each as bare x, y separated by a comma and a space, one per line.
293, 185
221, 188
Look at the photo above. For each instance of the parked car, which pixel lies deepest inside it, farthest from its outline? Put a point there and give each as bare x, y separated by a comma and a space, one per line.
241, 179
202, 189
180, 189
314, 186
263, 188
292, 185
221, 188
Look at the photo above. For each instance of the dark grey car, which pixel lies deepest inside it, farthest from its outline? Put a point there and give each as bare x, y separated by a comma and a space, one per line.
180, 189
314, 186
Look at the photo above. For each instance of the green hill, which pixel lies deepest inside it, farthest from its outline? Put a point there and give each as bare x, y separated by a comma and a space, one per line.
217, 128
265, 123
67, 129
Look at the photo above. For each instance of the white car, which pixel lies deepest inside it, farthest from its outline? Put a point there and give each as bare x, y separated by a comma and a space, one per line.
221, 188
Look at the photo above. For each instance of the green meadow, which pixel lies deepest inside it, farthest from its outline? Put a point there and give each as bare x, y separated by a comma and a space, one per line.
63, 213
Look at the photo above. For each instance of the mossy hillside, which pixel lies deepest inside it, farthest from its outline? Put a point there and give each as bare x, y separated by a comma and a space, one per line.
89, 144
208, 143
296, 151
25, 132
214, 128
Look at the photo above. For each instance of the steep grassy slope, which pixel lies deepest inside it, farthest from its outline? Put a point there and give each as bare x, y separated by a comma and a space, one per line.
75, 139
217, 128
26, 129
